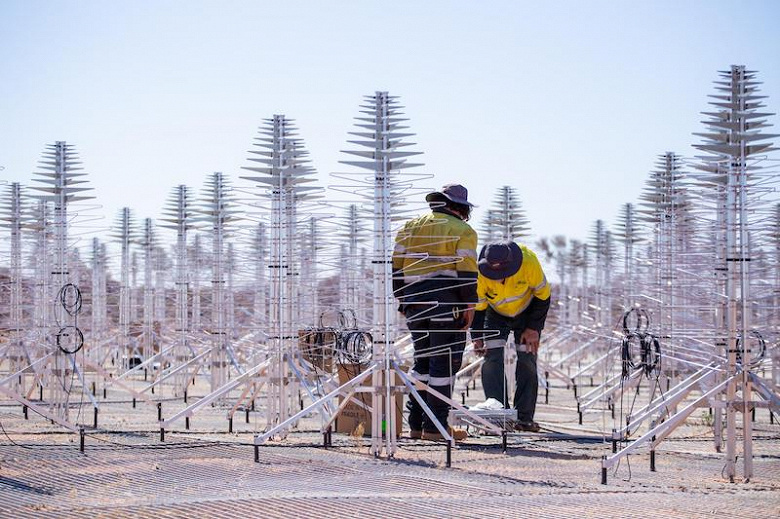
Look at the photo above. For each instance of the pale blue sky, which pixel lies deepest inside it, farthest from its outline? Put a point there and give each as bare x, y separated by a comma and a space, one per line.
570, 102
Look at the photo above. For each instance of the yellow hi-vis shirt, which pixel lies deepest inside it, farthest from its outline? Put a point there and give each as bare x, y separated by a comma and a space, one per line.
435, 244
511, 296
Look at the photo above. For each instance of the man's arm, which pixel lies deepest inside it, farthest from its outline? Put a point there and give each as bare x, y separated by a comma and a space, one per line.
478, 324
536, 313
466, 268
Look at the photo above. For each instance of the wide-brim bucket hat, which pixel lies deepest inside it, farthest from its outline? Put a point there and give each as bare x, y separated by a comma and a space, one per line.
500, 260
453, 192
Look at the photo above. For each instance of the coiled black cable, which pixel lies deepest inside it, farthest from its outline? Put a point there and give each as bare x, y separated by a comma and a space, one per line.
636, 337
626, 358
69, 338
636, 320
70, 299
650, 354
345, 319
354, 346
348, 319
755, 359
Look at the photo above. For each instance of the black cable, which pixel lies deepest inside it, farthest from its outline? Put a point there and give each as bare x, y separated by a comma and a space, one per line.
354, 346
70, 299
69, 338
11, 439
63, 339
641, 322
628, 464
754, 359
650, 354
636, 336
626, 357
348, 319
620, 421
648, 358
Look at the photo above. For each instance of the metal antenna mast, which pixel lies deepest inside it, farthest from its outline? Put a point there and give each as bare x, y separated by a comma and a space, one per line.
178, 217
132, 290
124, 233
352, 275
506, 220
162, 265
14, 218
384, 193
734, 148
666, 209
284, 169
41, 225
583, 264
99, 312
216, 210
734, 182
599, 246
148, 242
61, 179
259, 254
195, 265
308, 302
230, 301
627, 232
488, 232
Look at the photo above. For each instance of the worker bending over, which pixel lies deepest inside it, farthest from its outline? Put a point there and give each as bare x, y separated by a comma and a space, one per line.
513, 296
434, 279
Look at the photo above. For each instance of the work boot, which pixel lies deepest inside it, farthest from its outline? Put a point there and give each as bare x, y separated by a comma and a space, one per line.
457, 435
415, 435
527, 427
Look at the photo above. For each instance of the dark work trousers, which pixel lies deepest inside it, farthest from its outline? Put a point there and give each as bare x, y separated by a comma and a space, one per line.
432, 313
493, 379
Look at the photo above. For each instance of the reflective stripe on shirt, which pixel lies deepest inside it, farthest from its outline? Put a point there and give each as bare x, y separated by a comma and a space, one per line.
466, 253
434, 274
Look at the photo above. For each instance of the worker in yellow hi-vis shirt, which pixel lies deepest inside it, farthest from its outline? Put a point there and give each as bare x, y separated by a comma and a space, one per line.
435, 280
514, 295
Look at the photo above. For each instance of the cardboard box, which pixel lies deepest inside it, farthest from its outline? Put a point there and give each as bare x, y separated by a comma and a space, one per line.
318, 347
353, 414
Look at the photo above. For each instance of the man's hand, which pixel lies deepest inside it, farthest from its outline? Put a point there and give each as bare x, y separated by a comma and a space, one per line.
530, 338
479, 347
466, 318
